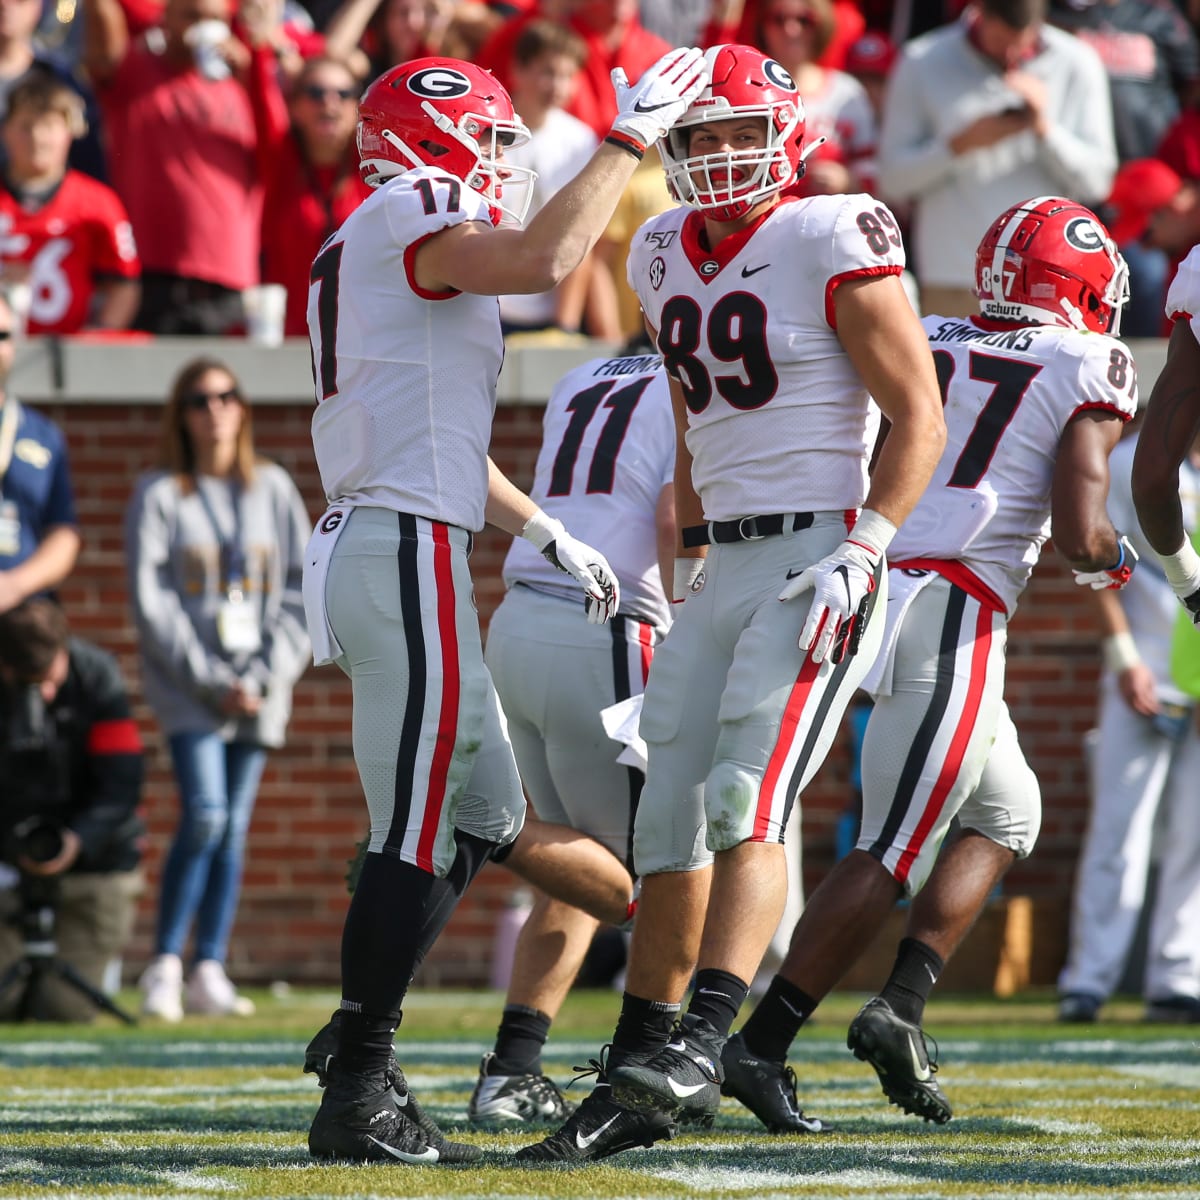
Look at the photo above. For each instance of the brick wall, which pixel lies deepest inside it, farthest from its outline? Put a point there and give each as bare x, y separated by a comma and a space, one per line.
310, 812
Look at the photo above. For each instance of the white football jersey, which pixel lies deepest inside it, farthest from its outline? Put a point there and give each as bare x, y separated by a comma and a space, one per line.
748, 330
405, 379
1183, 296
1008, 396
608, 450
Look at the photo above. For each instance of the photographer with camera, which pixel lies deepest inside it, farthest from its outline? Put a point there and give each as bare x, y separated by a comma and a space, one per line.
70, 836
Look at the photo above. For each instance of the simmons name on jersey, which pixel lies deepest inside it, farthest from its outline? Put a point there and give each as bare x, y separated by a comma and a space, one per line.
1009, 393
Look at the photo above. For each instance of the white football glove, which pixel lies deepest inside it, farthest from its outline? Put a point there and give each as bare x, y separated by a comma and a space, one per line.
648, 108
579, 560
1111, 578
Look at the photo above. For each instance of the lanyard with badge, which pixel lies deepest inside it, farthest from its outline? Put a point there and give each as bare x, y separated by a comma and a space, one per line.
10, 515
237, 621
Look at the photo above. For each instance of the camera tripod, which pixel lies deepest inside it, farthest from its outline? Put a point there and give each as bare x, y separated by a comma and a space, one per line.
36, 921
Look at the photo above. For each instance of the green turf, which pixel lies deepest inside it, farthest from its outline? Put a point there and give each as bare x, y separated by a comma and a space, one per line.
219, 1109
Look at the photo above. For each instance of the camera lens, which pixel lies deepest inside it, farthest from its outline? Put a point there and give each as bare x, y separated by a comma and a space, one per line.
38, 839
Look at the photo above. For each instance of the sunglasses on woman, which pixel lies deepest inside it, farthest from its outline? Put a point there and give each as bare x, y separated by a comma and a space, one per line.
314, 91
195, 401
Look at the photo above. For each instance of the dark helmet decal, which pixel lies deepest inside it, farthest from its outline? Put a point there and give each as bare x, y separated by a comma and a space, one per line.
439, 83
778, 76
1084, 234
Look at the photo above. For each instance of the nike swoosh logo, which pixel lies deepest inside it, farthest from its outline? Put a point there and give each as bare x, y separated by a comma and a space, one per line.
793, 572
645, 108
429, 1154
685, 1090
923, 1074
584, 1142
748, 271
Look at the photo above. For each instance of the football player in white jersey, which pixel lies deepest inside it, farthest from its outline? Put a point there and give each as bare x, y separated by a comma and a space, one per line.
778, 320
406, 346
1171, 425
1036, 393
605, 469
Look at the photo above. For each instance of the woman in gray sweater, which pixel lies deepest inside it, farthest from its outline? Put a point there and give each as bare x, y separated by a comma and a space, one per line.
214, 541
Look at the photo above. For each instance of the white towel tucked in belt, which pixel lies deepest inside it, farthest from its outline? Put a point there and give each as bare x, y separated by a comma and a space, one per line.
317, 554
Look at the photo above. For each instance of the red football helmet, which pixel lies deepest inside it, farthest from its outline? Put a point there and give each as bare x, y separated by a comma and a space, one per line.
745, 83
1050, 261
447, 114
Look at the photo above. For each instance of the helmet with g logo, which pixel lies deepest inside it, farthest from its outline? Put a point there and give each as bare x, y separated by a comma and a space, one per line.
449, 114
746, 83
1050, 261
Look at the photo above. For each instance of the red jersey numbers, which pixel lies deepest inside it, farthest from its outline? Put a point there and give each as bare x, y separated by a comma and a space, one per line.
324, 274
735, 333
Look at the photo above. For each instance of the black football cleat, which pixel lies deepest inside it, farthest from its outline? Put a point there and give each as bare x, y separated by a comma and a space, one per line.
897, 1050
767, 1089
598, 1128
683, 1079
319, 1057
506, 1100
360, 1120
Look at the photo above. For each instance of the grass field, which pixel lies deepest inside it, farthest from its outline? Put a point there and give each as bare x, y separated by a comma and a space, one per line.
220, 1109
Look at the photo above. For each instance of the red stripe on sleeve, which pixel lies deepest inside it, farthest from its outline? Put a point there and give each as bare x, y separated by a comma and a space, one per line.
114, 737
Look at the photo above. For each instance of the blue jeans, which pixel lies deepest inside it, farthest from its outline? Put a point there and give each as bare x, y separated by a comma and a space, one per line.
218, 783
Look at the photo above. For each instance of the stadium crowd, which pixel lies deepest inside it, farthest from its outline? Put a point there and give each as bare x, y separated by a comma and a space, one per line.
242, 113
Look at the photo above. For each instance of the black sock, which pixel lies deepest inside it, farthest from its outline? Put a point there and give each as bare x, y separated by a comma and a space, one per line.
916, 971
772, 1026
717, 997
364, 1043
643, 1027
381, 952
519, 1041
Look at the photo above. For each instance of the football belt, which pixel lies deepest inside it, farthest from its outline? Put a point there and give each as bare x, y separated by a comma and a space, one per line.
745, 529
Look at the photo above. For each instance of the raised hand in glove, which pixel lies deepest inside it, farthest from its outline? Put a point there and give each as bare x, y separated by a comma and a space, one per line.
648, 108
1111, 578
842, 584
579, 560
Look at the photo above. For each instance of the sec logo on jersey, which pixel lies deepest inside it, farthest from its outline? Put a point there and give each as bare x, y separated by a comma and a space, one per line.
658, 272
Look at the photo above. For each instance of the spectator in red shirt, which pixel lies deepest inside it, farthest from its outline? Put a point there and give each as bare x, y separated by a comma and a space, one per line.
312, 183
614, 37
62, 233
183, 156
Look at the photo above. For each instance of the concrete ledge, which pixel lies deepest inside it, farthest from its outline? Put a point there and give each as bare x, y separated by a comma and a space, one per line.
79, 370
69, 370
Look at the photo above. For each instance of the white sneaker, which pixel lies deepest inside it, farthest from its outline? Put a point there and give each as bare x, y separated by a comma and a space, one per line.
210, 991
162, 988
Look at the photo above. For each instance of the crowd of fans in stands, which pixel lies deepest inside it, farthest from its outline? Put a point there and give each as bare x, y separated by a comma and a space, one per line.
161, 156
